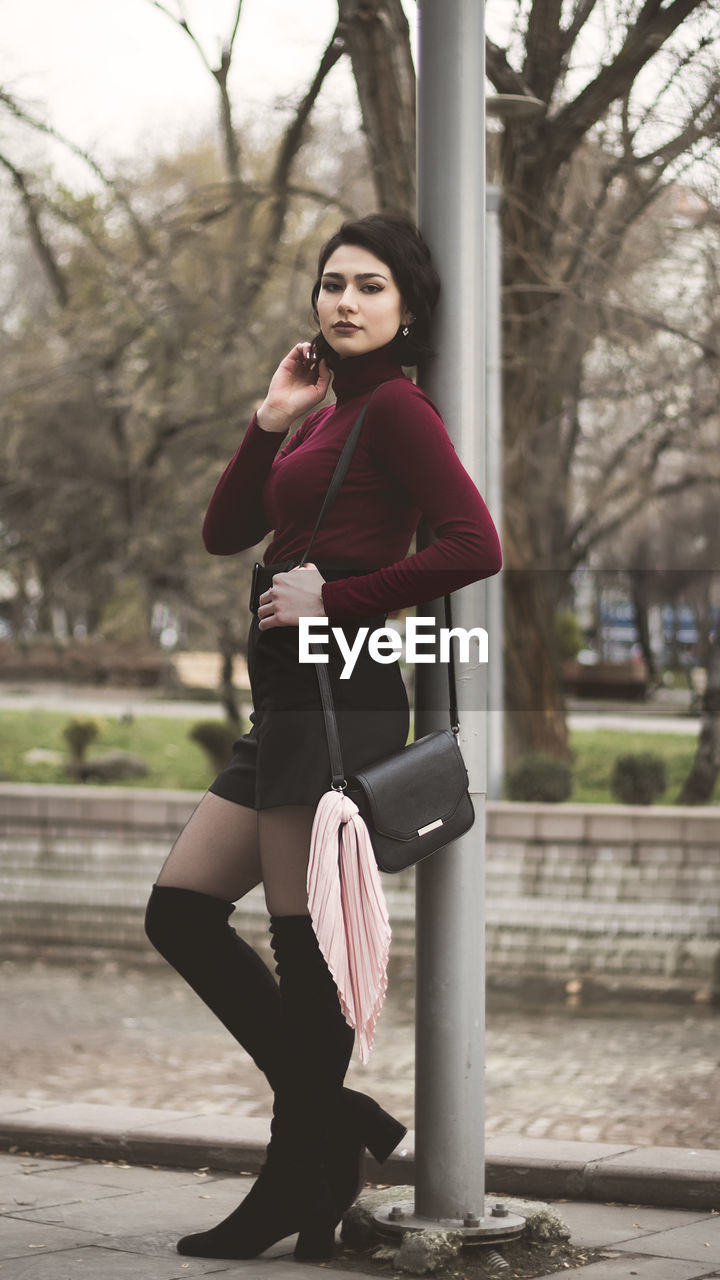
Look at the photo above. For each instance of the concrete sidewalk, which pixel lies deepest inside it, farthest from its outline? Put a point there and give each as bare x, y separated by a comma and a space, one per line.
65, 1217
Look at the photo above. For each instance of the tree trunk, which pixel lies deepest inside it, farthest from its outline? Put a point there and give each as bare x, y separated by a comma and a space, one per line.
700, 782
228, 696
534, 699
377, 37
638, 596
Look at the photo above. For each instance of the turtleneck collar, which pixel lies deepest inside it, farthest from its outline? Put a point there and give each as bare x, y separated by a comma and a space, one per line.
355, 375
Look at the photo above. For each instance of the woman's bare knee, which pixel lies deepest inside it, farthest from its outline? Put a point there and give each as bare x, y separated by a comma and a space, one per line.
217, 852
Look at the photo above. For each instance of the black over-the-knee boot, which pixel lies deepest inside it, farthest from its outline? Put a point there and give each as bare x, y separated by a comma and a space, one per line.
191, 930
297, 1190
317, 1044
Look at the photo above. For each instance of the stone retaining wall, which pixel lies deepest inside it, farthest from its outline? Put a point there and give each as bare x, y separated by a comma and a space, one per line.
619, 895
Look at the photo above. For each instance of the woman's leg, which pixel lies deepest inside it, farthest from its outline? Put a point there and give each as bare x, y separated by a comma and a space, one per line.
189, 926
317, 1041
295, 1192
284, 846
217, 852
214, 861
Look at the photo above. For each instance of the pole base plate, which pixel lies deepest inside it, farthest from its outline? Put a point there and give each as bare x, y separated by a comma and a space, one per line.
395, 1218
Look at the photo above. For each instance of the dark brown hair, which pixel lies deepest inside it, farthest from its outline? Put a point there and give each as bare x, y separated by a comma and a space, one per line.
396, 241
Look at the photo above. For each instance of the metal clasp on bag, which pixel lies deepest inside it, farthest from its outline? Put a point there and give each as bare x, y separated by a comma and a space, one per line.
339, 786
431, 826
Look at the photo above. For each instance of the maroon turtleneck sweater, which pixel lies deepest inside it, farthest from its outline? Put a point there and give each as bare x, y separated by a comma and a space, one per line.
404, 466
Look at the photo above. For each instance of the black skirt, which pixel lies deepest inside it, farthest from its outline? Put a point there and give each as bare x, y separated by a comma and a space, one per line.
284, 758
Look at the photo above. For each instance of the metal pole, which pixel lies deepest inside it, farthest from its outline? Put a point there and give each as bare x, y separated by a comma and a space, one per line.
493, 489
450, 1148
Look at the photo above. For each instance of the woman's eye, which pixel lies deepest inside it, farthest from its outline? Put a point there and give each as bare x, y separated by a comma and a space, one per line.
372, 288
329, 286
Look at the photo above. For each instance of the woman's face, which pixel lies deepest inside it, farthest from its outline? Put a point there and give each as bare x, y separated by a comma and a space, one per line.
359, 305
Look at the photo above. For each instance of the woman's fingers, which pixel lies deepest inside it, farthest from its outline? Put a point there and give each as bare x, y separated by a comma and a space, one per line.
291, 597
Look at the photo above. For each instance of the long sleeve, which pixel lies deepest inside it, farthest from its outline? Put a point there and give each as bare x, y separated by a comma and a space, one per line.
235, 518
409, 440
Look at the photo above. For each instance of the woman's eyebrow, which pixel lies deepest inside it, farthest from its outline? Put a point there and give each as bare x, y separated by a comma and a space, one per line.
362, 275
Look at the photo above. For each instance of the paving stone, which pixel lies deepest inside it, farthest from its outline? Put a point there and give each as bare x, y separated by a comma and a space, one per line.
27, 1166
698, 1241
22, 1237
133, 1177
42, 1190
97, 1263
635, 1267
168, 1209
595, 1225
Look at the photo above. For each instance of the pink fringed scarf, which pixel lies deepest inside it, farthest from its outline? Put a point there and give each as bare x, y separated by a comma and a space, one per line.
349, 913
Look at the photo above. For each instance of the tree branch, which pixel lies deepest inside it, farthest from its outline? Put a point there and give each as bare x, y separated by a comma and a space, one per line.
27, 118
182, 22
582, 12
279, 182
504, 77
48, 261
293, 138
652, 28
667, 490
693, 131
220, 75
231, 41
711, 350
544, 48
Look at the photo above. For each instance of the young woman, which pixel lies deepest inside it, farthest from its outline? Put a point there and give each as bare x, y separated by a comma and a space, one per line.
373, 300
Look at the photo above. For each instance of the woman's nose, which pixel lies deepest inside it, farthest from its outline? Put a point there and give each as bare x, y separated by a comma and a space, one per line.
347, 300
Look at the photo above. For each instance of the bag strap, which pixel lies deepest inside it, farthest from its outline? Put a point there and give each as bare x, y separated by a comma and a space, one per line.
338, 475
339, 782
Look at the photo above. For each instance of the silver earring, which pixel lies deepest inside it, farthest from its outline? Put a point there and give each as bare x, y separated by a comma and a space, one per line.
406, 331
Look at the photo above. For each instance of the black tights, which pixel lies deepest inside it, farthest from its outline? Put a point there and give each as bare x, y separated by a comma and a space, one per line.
226, 849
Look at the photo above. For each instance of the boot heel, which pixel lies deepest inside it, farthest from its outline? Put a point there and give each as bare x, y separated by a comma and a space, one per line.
381, 1134
315, 1242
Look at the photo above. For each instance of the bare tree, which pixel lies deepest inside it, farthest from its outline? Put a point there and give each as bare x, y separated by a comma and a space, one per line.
577, 181
123, 399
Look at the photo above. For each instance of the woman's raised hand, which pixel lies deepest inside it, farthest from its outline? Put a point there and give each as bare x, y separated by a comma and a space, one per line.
295, 388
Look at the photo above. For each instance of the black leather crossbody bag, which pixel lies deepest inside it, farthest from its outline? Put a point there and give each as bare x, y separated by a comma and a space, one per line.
416, 800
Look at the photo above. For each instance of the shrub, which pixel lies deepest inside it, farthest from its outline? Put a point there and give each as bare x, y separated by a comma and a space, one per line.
540, 777
639, 779
569, 638
113, 766
216, 738
78, 734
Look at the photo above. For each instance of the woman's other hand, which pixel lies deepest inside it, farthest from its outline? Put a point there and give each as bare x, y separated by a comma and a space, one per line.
293, 595
296, 387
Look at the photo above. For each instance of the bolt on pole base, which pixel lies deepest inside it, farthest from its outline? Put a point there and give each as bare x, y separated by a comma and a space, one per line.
495, 1227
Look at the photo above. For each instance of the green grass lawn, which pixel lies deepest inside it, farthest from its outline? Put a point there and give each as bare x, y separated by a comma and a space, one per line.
161, 741
174, 761
595, 752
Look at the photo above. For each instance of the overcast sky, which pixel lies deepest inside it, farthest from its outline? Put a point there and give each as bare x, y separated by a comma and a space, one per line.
119, 78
